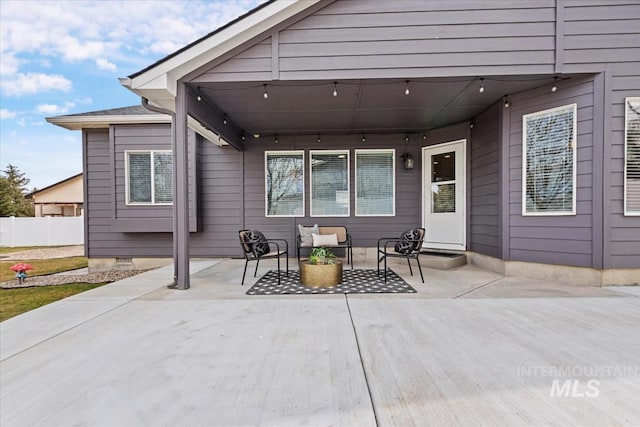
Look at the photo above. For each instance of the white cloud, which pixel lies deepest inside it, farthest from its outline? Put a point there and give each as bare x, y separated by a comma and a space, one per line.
55, 109
31, 83
103, 64
6, 114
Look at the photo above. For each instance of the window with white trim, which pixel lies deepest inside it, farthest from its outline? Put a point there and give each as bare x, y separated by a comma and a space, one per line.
549, 161
284, 186
149, 177
375, 183
329, 183
632, 156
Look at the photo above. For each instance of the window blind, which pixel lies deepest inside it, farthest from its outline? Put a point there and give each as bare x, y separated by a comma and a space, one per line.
139, 177
632, 156
375, 183
163, 177
330, 183
549, 161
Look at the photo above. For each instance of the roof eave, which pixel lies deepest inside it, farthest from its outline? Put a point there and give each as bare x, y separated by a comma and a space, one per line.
159, 83
97, 122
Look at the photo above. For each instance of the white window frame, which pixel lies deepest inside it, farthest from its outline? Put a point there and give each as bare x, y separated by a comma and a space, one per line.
266, 197
574, 146
626, 129
393, 178
153, 187
338, 152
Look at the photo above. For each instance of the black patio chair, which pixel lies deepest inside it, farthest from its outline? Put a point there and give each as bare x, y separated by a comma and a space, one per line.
407, 246
256, 247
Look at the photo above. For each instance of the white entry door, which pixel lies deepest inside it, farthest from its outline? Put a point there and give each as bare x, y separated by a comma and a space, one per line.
444, 195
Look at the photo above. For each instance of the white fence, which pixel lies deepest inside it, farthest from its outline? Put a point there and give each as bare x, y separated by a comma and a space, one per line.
42, 231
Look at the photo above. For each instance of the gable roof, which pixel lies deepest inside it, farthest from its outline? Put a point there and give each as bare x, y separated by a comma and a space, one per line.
48, 187
158, 82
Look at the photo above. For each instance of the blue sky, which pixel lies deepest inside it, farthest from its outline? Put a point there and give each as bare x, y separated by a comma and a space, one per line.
65, 57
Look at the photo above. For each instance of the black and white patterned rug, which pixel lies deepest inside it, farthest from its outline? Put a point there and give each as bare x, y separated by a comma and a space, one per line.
353, 282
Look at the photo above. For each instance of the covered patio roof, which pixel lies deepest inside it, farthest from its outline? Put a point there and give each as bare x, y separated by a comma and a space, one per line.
358, 106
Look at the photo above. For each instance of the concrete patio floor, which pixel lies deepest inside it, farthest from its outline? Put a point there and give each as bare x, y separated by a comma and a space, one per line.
470, 348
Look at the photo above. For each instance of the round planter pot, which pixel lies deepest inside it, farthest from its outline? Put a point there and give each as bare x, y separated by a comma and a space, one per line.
320, 276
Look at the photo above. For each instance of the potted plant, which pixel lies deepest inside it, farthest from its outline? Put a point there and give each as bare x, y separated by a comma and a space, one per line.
321, 270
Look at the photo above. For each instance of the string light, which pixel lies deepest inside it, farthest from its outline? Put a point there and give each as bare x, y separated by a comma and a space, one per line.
319, 140
364, 139
406, 88
506, 102
198, 97
481, 90
265, 95
424, 136
224, 119
276, 139
335, 88
555, 86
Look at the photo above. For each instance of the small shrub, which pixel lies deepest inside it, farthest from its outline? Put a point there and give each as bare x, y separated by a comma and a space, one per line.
322, 256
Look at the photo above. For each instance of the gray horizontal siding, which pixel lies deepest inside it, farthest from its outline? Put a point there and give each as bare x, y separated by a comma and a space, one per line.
553, 239
361, 38
484, 183
598, 36
364, 230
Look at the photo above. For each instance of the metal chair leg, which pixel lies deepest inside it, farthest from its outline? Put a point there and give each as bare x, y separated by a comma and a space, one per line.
278, 269
245, 271
385, 269
255, 273
287, 264
420, 268
410, 269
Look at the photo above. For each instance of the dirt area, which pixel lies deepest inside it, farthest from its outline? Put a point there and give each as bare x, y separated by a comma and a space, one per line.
75, 276
45, 253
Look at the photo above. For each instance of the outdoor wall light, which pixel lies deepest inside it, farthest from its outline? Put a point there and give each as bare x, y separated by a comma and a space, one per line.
409, 161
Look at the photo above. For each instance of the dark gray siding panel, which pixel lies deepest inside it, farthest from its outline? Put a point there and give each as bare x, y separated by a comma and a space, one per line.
599, 37
364, 230
362, 38
484, 183
252, 64
102, 241
554, 239
220, 187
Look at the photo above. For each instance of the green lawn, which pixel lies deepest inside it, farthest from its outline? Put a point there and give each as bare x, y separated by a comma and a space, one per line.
19, 300
43, 266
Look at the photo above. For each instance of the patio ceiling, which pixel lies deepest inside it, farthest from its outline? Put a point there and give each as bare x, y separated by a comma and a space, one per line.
360, 106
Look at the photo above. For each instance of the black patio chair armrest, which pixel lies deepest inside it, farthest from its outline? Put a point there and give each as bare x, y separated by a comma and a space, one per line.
385, 239
275, 242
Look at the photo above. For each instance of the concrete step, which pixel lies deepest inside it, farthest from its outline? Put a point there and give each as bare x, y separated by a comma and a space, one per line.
442, 260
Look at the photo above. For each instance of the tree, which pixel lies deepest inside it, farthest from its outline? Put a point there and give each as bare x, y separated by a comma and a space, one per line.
13, 186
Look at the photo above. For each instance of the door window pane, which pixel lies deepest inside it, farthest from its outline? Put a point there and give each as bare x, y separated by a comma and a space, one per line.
443, 197
330, 183
284, 183
375, 183
443, 167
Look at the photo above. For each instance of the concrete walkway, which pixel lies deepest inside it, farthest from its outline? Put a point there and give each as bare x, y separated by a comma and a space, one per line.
470, 348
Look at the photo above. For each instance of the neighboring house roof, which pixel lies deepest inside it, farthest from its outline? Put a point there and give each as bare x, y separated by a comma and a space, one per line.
135, 114
158, 83
49, 187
